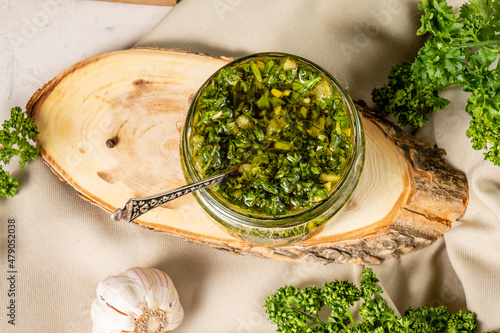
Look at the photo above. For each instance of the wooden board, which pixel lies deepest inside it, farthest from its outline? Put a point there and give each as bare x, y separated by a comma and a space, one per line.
406, 198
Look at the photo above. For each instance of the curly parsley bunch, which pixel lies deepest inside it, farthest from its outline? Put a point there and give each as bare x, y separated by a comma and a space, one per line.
461, 49
14, 141
298, 311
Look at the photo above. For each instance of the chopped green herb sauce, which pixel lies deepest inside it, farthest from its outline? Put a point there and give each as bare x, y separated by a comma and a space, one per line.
285, 121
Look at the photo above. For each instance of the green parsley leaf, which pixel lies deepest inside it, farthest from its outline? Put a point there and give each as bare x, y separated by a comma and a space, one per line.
15, 139
461, 49
295, 310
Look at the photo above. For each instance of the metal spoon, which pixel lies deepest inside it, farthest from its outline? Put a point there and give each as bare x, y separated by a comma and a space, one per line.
135, 207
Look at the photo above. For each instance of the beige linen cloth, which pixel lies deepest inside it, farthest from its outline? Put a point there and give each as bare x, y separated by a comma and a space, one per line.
68, 246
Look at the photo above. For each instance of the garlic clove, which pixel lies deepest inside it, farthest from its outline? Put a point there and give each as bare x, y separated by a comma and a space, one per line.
137, 300
106, 319
162, 296
122, 292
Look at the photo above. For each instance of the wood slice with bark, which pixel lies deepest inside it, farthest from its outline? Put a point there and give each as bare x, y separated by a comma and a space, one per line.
110, 126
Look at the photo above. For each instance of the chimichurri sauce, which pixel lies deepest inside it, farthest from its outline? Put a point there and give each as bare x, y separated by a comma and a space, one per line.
287, 123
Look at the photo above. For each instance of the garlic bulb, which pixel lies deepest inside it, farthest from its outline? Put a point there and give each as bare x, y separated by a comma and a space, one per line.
139, 300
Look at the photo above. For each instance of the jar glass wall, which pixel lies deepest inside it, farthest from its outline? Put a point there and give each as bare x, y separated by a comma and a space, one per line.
283, 229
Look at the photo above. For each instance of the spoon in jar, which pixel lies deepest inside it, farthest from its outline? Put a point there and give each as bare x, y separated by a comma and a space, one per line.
135, 207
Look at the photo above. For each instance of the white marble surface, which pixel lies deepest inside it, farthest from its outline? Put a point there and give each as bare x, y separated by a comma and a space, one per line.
40, 38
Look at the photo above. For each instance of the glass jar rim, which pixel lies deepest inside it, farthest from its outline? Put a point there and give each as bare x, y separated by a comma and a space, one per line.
210, 197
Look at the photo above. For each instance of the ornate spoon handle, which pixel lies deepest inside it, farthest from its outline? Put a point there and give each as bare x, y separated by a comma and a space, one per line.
135, 207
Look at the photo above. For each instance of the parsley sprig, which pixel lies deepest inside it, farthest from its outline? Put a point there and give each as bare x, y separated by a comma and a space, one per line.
296, 310
15, 139
461, 49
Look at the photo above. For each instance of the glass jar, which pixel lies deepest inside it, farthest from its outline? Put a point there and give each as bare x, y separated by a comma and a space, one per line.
262, 229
